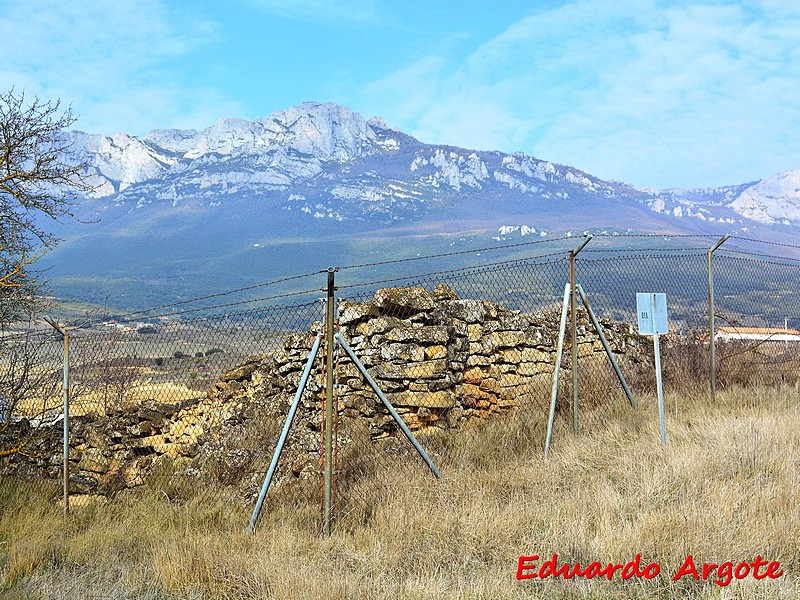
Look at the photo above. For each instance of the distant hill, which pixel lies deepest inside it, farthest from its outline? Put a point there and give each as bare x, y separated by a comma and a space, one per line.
179, 213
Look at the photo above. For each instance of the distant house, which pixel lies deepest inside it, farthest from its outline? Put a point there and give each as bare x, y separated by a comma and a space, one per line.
761, 334
116, 326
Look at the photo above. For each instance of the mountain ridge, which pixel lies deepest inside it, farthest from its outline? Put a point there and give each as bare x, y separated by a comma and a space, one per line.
291, 147
168, 204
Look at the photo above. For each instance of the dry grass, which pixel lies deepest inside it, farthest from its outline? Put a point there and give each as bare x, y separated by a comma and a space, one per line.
727, 488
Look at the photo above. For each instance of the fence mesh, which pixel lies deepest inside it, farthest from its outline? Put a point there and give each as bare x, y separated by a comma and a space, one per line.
463, 346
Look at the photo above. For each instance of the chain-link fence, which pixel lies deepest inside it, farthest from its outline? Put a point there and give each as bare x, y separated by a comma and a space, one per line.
461, 347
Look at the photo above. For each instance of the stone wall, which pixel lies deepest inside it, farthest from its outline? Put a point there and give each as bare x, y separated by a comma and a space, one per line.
442, 361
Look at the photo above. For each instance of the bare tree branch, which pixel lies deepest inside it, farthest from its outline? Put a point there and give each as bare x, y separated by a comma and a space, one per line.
30, 363
38, 180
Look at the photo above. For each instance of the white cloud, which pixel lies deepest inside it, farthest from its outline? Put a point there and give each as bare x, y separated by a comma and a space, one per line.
655, 92
650, 92
321, 10
110, 59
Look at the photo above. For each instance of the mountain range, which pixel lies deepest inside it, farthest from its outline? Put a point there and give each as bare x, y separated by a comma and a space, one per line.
178, 213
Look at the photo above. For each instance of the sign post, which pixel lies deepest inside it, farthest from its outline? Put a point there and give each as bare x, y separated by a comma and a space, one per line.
651, 311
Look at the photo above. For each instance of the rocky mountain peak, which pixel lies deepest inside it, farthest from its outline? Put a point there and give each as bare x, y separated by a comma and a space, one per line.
327, 161
327, 131
775, 199
285, 146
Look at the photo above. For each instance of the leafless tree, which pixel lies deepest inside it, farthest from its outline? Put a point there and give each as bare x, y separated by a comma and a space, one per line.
30, 384
38, 178
117, 378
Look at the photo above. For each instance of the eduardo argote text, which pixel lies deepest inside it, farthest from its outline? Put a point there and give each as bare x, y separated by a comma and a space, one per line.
532, 567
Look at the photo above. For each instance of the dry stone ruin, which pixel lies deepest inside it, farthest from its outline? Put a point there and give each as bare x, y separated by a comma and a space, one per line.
444, 362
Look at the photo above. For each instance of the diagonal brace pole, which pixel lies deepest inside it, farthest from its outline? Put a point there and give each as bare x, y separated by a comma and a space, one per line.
557, 368
375, 388
282, 440
598, 328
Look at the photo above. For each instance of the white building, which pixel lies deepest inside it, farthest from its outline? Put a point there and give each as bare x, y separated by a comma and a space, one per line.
761, 334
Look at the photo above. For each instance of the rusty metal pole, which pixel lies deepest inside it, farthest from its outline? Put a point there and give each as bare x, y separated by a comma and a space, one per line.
574, 322
327, 502
711, 341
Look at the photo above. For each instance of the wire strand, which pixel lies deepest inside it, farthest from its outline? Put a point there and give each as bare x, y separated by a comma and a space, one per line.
461, 271
129, 316
455, 253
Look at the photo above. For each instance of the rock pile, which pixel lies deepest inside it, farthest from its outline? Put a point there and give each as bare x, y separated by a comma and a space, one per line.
442, 361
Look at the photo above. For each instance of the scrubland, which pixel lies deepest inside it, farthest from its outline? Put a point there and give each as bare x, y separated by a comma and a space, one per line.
727, 488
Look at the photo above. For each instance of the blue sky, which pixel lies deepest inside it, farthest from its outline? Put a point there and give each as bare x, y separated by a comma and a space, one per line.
654, 93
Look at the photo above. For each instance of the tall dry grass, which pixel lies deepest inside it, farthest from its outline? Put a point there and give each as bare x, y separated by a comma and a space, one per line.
725, 489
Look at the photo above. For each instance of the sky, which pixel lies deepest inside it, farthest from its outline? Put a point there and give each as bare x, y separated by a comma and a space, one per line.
654, 93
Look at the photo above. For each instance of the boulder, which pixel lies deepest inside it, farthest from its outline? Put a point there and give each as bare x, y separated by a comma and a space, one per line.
403, 302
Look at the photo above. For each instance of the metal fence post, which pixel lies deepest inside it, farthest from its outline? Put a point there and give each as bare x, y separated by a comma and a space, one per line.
65, 334
574, 323
712, 342
327, 503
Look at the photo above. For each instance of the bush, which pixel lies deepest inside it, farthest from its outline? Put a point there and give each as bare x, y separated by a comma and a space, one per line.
178, 354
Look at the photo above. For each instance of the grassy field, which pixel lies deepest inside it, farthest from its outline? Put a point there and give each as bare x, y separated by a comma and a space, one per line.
726, 489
